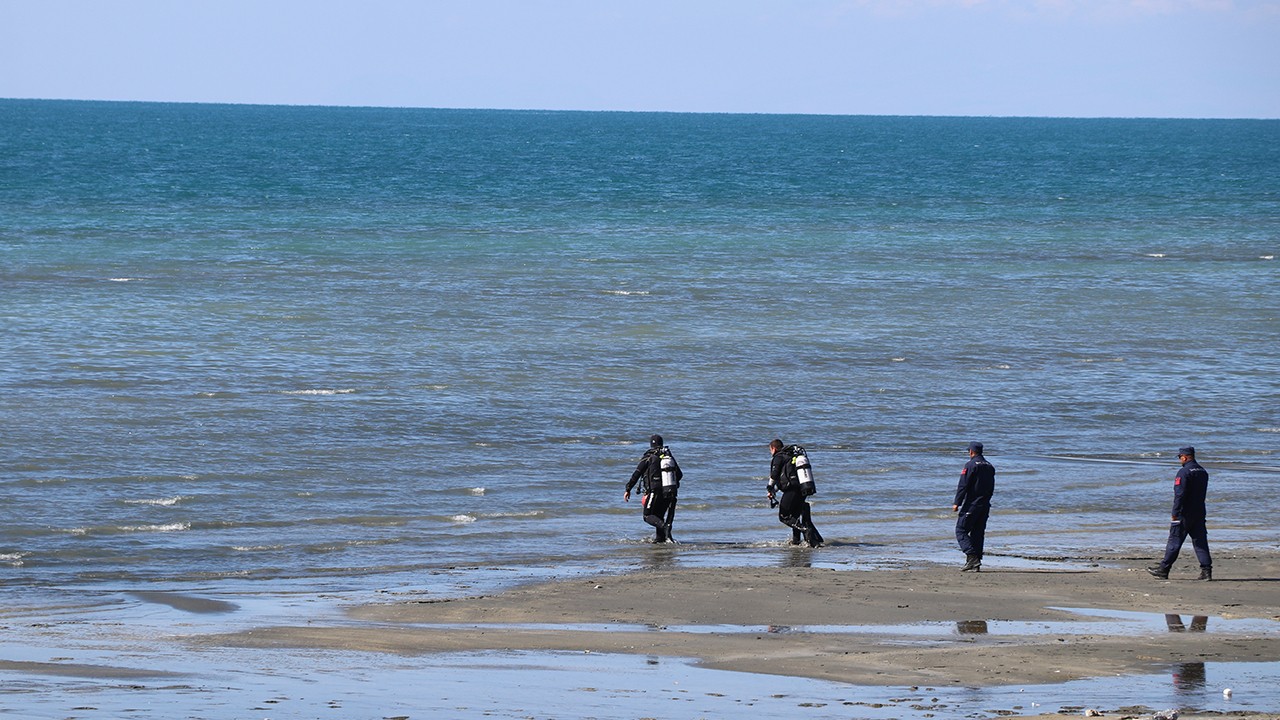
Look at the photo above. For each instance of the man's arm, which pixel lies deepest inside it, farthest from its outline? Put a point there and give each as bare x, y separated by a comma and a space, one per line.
641, 469
962, 489
1179, 487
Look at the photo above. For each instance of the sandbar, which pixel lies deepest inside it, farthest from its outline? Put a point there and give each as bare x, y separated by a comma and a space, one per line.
787, 620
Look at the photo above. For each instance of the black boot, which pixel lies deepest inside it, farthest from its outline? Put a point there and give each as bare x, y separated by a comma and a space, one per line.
972, 562
1159, 571
1206, 574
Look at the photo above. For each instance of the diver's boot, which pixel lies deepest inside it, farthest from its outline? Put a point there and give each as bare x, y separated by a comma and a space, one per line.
1206, 574
972, 562
670, 538
1159, 571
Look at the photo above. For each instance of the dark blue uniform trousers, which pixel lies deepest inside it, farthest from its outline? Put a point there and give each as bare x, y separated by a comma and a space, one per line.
971, 530
1178, 532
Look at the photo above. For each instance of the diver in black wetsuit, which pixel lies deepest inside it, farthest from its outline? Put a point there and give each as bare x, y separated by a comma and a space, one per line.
793, 510
660, 474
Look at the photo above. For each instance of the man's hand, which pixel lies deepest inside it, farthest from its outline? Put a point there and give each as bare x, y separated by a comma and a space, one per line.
955, 508
626, 496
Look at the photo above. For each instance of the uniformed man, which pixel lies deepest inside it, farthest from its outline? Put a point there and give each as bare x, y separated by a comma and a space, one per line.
973, 503
1190, 486
660, 476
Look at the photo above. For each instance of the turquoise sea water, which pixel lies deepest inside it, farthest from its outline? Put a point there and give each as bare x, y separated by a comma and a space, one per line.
364, 348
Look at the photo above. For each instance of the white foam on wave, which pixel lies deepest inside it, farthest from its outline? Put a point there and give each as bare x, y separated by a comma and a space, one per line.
256, 548
1266, 257
161, 502
626, 292
463, 518
477, 491
1269, 430
123, 279
898, 359
1156, 255
167, 527
321, 391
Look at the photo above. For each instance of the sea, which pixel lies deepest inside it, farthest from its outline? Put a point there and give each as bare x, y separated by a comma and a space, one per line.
321, 351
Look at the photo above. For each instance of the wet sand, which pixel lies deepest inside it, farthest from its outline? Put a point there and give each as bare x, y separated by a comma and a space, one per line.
787, 621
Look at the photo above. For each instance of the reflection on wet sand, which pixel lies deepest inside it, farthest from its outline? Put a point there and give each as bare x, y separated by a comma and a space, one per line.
1188, 678
1199, 623
971, 627
798, 557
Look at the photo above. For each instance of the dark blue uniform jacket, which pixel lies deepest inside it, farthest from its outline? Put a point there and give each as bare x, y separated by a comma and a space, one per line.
1189, 489
977, 483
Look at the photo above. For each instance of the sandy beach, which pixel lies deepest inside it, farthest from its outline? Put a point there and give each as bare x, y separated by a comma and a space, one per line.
796, 621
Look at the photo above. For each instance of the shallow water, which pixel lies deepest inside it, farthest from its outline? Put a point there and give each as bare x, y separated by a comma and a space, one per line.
159, 676
353, 345
314, 352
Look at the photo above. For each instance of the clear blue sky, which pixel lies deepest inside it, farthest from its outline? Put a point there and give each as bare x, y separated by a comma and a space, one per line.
1079, 58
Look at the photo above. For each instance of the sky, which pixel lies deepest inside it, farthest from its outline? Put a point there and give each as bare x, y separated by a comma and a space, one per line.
1057, 58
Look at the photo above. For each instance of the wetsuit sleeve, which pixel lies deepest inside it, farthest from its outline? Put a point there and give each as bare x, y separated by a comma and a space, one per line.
642, 470
776, 464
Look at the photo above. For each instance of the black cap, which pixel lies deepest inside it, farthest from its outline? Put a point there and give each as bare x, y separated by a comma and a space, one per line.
655, 441
975, 447
1188, 451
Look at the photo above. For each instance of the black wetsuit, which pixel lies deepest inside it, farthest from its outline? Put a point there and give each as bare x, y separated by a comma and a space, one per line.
658, 504
793, 510
973, 500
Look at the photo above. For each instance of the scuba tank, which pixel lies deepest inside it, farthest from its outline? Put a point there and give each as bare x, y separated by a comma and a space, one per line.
804, 472
667, 469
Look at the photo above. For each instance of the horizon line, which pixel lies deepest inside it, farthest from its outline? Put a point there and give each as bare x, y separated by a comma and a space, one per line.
637, 112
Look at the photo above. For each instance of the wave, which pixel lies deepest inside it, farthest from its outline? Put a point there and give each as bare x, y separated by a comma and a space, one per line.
321, 391
160, 528
463, 519
161, 502
527, 513
167, 527
626, 292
